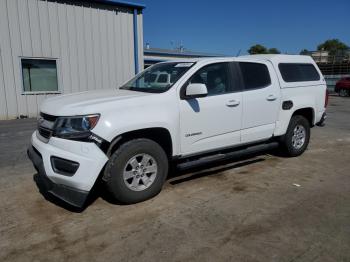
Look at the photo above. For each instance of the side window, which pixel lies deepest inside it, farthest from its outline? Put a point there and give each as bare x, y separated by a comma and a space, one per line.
152, 78
293, 72
215, 77
163, 78
255, 75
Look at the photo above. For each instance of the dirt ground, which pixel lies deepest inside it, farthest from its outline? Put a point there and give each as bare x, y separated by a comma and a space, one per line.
246, 210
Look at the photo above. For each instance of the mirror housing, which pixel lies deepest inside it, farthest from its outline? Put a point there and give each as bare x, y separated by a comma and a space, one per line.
196, 91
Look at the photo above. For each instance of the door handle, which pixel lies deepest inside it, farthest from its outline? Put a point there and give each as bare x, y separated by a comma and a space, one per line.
271, 98
233, 103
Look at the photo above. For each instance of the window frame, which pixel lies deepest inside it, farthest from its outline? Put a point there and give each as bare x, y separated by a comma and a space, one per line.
301, 81
244, 89
58, 72
232, 69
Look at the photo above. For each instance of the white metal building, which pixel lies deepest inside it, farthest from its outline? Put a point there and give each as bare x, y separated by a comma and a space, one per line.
60, 47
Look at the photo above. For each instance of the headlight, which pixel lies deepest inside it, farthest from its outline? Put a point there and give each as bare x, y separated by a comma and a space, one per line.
75, 127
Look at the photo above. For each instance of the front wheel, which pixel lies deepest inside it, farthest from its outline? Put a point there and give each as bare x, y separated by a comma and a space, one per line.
136, 171
297, 137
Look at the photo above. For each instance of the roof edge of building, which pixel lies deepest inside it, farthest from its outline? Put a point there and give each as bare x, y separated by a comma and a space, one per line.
122, 3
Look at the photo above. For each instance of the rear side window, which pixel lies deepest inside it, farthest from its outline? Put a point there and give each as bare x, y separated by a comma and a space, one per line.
293, 72
254, 75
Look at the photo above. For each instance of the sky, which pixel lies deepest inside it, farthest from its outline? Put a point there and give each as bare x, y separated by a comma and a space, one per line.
230, 27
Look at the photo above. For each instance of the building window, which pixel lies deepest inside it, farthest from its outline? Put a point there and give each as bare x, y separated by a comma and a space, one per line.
39, 75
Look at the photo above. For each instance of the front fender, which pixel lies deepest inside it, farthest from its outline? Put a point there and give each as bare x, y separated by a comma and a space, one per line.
136, 117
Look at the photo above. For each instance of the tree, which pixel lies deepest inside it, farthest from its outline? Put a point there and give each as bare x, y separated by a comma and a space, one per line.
260, 49
257, 49
332, 46
273, 51
304, 52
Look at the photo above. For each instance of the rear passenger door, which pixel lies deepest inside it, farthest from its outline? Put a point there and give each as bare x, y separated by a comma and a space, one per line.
261, 101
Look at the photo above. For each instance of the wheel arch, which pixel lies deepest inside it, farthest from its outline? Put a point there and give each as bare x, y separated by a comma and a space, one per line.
307, 112
286, 115
160, 135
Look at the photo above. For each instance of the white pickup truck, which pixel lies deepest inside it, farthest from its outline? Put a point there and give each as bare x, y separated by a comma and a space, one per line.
208, 110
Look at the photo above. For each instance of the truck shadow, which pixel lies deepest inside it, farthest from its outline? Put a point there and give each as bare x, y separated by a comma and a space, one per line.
215, 169
52, 199
175, 177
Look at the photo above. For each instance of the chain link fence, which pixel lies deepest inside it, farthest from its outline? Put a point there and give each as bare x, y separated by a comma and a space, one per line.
333, 65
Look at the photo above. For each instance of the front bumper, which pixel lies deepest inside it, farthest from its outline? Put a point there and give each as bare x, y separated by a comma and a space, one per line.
323, 120
67, 194
71, 189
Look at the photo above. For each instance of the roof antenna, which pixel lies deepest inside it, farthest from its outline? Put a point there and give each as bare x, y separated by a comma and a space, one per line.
239, 52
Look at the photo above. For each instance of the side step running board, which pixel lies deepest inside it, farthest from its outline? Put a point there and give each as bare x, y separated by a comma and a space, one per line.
228, 155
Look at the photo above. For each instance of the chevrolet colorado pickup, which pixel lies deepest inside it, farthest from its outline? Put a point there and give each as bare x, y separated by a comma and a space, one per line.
204, 110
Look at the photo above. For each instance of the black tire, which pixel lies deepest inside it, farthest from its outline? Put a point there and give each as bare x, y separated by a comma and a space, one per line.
287, 141
113, 175
344, 92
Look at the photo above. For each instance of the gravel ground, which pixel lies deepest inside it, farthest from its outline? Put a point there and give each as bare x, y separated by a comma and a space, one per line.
264, 208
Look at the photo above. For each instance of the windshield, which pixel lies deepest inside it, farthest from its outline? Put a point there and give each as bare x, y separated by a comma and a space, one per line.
158, 78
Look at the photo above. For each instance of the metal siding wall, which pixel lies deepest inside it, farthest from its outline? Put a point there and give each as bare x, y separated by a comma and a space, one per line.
130, 51
45, 36
94, 48
129, 47
3, 100
81, 54
27, 50
111, 57
6, 57
89, 50
73, 49
140, 36
124, 45
16, 48
118, 58
55, 38
96, 39
104, 49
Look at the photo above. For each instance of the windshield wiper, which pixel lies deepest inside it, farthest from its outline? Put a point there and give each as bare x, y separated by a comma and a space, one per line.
144, 90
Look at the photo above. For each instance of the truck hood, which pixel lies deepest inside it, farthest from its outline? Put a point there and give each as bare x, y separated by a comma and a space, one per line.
89, 102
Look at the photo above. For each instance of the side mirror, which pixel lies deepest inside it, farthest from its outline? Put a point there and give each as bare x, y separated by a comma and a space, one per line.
196, 90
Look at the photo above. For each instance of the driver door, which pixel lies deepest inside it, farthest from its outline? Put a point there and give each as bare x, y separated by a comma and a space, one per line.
214, 121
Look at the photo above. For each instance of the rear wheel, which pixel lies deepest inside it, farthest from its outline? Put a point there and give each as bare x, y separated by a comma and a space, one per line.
344, 92
297, 137
136, 171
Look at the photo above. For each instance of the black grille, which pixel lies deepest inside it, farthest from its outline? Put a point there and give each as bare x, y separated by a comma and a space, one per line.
48, 117
45, 132
45, 125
